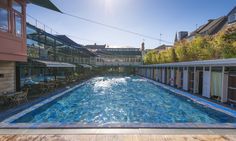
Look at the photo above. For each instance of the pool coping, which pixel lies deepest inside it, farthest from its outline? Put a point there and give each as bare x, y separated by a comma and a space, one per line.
96, 131
6, 124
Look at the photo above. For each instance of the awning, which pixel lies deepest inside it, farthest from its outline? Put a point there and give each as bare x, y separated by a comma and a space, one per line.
51, 64
46, 4
86, 66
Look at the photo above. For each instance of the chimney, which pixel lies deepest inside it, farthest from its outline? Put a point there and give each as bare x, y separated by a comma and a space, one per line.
142, 46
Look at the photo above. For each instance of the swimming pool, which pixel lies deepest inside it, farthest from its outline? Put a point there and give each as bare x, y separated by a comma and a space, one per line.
123, 101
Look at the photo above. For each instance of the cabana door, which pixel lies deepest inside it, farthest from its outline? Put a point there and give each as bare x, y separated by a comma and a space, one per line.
232, 88
200, 83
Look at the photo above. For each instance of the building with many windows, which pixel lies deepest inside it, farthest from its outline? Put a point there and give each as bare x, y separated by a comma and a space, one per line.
50, 57
118, 57
13, 39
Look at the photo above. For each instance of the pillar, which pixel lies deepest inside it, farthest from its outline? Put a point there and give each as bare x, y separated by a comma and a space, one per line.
185, 79
196, 81
178, 78
157, 70
206, 91
172, 77
163, 75
224, 95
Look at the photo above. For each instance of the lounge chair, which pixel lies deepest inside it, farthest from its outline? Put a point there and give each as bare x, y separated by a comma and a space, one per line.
19, 97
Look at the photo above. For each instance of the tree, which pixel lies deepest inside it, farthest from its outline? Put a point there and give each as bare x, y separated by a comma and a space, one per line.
174, 57
150, 58
221, 45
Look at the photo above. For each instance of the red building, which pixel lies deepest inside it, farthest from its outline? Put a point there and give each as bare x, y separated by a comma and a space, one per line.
13, 38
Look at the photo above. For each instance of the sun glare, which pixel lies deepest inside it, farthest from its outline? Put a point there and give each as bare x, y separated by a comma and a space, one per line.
109, 5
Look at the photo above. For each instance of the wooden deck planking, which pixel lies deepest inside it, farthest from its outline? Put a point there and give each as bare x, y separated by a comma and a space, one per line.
117, 138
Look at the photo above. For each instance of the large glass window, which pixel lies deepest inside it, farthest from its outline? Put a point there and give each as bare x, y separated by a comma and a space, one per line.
4, 23
18, 25
17, 6
33, 48
17, 9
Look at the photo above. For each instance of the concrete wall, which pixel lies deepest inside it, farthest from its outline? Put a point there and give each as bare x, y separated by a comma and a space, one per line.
7, 77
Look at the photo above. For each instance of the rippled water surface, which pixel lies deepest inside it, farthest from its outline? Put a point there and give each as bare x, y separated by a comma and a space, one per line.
123, 100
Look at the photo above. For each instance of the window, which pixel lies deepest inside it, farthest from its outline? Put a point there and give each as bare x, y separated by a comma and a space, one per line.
17, 12
232, 18
4, 20
18, 25
17, 6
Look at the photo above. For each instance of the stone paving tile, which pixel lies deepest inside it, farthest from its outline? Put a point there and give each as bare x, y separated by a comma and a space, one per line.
117, 138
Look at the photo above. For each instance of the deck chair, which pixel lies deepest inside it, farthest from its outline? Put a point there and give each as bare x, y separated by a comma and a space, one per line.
19, 97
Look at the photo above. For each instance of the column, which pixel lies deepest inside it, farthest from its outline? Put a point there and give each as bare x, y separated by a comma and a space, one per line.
224, 95
178, 78
157, 73
163, 75
196, 81
185, 79
206, 82
172, 77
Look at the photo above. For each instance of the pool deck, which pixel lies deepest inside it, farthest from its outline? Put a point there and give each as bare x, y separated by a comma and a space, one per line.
119, 134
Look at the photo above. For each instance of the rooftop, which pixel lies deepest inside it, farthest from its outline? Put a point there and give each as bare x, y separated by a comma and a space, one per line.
68, 40
211, 27
164, 46
234, 9
218, 62
95, 46
45, 3
118, 53
39, 35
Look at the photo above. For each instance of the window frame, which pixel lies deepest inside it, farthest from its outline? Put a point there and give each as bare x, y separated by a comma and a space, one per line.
12, 13
18, 2
7, 8
232, 18
16, 13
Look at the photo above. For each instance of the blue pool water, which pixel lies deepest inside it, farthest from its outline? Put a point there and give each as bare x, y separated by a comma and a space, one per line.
123, 100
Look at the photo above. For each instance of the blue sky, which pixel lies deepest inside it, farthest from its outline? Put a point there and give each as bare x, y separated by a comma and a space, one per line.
149, 17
